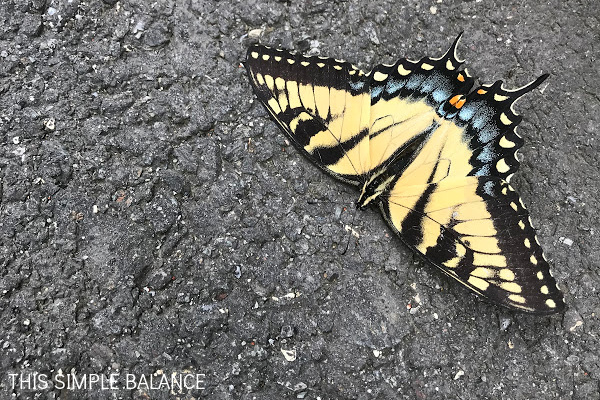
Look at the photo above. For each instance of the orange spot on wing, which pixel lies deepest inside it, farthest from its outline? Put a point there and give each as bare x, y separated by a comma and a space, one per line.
458, 101
461, 77
481, 91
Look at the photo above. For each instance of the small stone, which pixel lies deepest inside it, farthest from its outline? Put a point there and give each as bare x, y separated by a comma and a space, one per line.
338, 212
139, 27
287, 331
576, 325
19, 151
299, 386
505, 323
370, 30
255, 33
290, 355
573, 359
49, 124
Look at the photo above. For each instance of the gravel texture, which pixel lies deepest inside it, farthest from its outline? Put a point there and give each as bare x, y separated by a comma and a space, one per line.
154, 220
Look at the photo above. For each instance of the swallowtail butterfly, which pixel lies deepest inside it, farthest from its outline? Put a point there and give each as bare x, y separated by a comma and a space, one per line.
433, 153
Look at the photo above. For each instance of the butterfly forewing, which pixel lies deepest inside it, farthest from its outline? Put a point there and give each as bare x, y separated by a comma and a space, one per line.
477, 231
321, 104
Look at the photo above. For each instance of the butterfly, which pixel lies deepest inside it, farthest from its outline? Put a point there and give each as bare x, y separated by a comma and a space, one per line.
433, 153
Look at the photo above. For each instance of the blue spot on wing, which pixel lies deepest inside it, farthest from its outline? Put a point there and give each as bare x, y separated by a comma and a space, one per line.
414, 81
432, 83
394, 86
357, 85
467, 112
488, 188
483, 171
428, 86
483, 116
487, 134
487, 154
376, 91
440, 94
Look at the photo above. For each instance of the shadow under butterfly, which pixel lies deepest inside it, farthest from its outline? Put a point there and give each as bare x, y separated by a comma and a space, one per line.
434, 154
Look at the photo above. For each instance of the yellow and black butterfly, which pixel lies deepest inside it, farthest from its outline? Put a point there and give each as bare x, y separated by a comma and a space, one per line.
434, 154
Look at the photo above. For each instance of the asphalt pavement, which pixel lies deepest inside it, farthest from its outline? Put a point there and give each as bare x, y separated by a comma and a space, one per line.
155, 224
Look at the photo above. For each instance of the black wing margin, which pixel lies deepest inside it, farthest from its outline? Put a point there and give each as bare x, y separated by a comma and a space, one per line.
490, 122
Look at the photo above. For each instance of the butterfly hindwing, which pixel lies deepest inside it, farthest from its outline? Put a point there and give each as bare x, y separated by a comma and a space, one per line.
490, 126
406, 100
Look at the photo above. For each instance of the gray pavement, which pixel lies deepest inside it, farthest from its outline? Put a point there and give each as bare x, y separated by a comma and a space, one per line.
153, 220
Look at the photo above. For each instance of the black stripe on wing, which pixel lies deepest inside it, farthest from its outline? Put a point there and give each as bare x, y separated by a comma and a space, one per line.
297, 91
493, 251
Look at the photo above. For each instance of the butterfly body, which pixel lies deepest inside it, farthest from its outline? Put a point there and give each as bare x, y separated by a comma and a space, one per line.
380, 181
434, 154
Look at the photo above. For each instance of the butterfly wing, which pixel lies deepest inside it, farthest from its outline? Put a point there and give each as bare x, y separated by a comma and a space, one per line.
406, 99
453, 203
476, 230
321, 104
